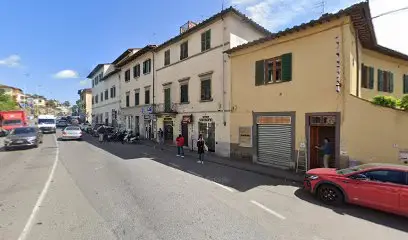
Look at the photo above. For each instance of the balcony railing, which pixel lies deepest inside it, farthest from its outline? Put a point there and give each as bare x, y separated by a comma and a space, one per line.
165, 108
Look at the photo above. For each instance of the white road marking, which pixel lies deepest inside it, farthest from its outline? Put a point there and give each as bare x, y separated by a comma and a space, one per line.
37, 205
225, 187
174, 165
268, 210
191, 172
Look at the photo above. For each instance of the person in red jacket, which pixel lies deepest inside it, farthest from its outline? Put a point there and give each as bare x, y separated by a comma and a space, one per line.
180, 144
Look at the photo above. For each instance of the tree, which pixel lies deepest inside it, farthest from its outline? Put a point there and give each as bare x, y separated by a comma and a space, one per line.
7, 103
51, 103
81, 106
66, 104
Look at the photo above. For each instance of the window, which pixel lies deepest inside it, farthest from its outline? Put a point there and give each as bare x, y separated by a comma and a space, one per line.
147, 96
206, 90
106, 94
184, 93
405, 83
136, 71
367, 77
93, 100
100, 76
206, 40
96, 99
127, 75
111, 92
184, 50
101, 96
127, 99
385, 81
390, 176
137, 98
93, 82
167, 57
278, 69
147, 66
96, 80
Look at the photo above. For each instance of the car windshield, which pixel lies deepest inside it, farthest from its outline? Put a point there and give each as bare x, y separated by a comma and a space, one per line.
355, 169
46, 121
19, 131
11, 122
72, 129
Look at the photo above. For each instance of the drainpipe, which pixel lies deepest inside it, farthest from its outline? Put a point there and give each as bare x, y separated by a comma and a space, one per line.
152, 130
358, 65
223, 72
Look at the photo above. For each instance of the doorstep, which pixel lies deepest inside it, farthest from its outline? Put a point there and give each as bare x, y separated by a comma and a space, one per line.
287, 175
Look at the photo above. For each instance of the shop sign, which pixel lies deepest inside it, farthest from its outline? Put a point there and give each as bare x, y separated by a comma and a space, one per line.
205, 119
187, 119
245, 136
280, 120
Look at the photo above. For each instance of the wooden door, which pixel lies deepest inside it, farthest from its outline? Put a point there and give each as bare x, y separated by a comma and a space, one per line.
314, 161
184, 133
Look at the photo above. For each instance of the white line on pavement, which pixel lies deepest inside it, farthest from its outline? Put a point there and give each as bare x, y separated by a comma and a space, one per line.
225, 187
174, 165
37, 205
194, 173
268, 210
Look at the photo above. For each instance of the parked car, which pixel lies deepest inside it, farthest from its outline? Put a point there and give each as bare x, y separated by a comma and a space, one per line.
62, 124
380, 186
23, 137
71, 133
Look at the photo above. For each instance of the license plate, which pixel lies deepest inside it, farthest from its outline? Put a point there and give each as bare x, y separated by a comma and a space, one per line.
19, 141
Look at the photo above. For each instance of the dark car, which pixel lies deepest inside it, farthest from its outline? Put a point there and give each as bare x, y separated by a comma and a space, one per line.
23, 137
62, 124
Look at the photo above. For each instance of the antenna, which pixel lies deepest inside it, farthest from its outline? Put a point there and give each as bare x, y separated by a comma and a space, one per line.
322, 5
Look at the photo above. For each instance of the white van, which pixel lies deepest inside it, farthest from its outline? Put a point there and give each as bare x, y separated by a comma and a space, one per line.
47, 123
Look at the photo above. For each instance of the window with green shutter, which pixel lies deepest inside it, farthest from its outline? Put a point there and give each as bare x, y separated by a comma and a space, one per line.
184, 93
259, 72
385, 81
390, 82
371, 78
206, 40
405, 83
287, 67
380, 84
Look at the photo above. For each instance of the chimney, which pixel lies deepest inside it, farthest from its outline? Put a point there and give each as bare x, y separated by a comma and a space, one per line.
185, 27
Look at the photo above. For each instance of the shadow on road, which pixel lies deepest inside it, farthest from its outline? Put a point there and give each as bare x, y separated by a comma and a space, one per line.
374, 216
238, 179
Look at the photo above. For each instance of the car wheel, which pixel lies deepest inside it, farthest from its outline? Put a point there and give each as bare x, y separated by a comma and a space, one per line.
330, 194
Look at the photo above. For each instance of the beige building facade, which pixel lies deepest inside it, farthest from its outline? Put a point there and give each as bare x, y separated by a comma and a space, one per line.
292, 89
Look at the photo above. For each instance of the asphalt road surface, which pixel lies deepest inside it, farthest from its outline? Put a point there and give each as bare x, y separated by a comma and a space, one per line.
85, 190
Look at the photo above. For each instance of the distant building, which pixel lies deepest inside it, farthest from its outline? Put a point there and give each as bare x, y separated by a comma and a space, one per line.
16, 93
85, 96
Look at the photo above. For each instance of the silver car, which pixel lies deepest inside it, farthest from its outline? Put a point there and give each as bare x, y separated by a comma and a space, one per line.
72, 133
23, 137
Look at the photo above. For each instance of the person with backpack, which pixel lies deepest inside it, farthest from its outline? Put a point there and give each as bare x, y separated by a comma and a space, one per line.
201, 148
180, 144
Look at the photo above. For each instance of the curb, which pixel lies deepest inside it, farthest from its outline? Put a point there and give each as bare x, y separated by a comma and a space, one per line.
276, 176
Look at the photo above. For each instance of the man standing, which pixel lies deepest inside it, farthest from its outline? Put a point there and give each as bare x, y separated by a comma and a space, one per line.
180, 144
161, 138
326, 149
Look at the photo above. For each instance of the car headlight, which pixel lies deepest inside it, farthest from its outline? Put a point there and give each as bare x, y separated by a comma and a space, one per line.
312, 177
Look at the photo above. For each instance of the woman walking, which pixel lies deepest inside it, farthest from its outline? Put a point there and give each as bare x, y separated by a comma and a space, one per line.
201, 147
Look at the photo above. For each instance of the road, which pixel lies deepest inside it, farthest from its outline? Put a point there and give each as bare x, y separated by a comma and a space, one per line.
117, 191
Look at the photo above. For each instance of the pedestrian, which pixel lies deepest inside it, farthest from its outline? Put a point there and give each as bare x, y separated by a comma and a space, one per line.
161, 138
101, 133
180, 144
201, 148
326, 149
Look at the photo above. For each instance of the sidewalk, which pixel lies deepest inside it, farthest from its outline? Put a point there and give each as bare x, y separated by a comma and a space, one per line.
247, 166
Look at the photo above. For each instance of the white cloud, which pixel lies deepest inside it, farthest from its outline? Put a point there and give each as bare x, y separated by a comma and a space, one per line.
66, 74
276, 15
11, 61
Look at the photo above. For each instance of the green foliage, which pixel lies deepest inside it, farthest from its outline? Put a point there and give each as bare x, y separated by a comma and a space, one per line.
403, 104
7, 103
385, 101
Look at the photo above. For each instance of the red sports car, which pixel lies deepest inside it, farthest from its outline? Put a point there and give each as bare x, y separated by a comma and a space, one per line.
379, 186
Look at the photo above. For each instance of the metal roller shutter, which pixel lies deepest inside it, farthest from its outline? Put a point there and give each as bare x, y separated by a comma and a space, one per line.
275, 145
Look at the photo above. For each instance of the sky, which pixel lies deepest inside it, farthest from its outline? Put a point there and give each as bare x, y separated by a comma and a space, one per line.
48, 47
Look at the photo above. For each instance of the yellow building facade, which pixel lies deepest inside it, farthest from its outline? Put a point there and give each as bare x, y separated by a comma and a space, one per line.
295, 88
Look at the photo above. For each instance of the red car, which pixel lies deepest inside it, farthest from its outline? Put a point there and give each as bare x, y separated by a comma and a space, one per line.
379, 186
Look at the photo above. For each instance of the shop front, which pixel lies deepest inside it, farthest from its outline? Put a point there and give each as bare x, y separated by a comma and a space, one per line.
206, 127
274, 139
185, 121
168, 129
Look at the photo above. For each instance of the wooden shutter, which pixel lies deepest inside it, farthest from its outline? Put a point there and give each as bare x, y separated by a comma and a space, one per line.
363, 76
208, 39
259, 72
390, 82
380, 80
371, 78
287, 67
